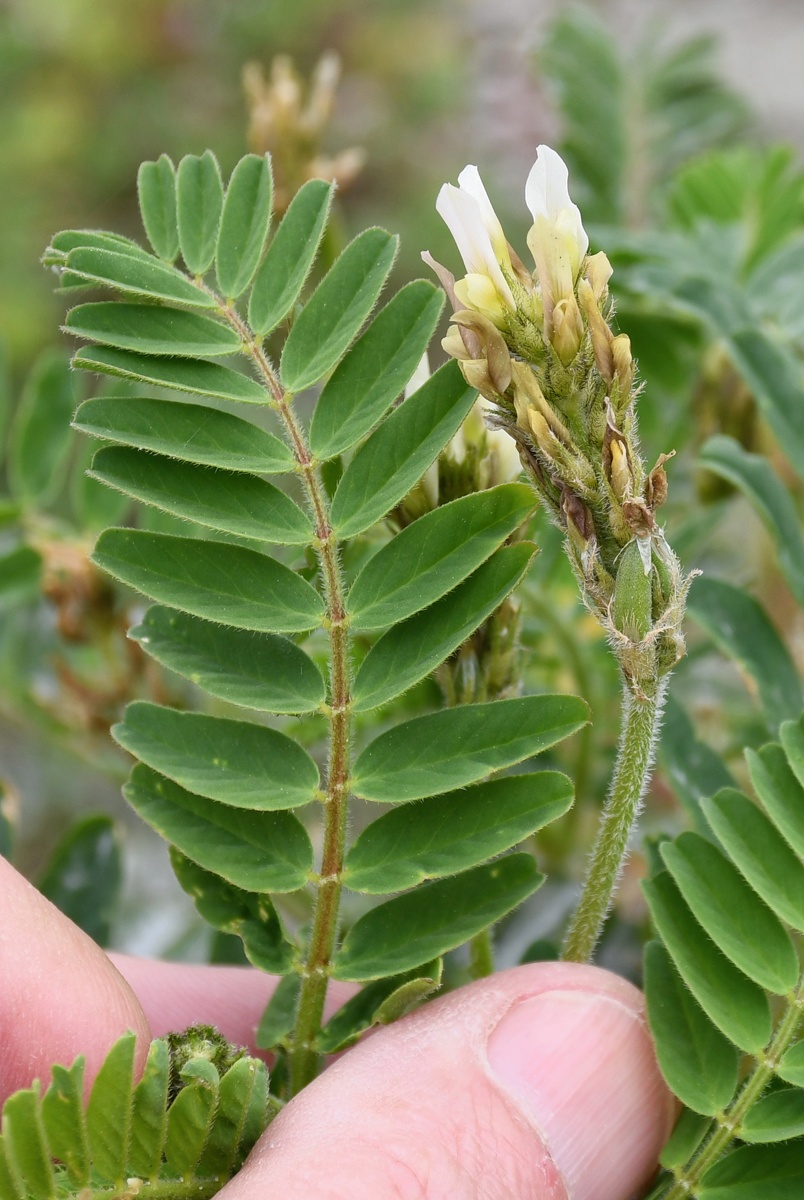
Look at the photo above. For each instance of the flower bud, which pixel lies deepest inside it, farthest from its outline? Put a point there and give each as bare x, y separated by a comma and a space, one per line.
623, 362
557, 239
632, 603
567, 333
620, 474
601, 334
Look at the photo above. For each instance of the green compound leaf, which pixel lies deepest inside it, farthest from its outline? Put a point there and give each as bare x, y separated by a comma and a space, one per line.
84, 875
248, 915
240, 764
413, 928
435, 553
448, 749
741, 924
149, 1115
262, 671
398, 453
698, 1062
256, 851
376, 369
336, 310
290, 256
156, 188
760, 853
226, 500
199, 200
780, 792
190, 1117
775, 1118
756, 1173
756, 479
774, 377
740, 627
244, 224
191, 432
131, 273
109, 1111
213, 580
63, 1116
39, 438
239, 1117
379, 1003
736, 1005
22, 1125
63, 243
196, 375
454, 831
690, 1130
152, 329
410, 650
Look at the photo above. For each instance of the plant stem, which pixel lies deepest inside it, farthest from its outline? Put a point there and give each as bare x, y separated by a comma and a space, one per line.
689, 1178
631, 774
303, 1057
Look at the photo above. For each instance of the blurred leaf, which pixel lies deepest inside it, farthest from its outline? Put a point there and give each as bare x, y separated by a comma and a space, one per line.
280, 1013
413, 928
740, 627
156, 189
737, 1006
694, 770
233, 502
20, 572
197, 376
191, 432
698, 1062
214, 580
376, 369
154, 329
262, 671
396, 455
436, 552
410, 650
84, 875
22, 1124
454, 831
199, 200
448, 749
40, 433
256, 851
244, 224
290, 256
247, 766
336, 310
755, 477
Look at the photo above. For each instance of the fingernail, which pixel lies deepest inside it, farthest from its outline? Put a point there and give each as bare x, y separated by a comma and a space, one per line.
580, 1068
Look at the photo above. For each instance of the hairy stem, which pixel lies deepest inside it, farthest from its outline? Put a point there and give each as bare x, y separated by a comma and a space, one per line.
688, 1179
631, 774
315, 969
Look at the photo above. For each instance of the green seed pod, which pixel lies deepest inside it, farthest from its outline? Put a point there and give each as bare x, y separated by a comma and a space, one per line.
632, 603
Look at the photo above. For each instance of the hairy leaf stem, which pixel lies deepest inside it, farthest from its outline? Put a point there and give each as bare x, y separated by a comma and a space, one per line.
640, 723
315, 969
688, 1179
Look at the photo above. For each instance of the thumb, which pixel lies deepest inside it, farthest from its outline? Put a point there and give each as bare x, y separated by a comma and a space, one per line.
539, 1083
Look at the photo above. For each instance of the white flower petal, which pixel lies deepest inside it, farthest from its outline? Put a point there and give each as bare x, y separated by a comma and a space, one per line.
547, 195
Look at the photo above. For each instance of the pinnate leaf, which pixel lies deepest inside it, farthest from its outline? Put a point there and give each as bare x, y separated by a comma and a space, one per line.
108, 1114
262, 671
152, 329
256, 851
185, 375
396, 456
379, 1003
336, 310
215, 580
247, 766
156, 188
776, 1117
417, 926
756, 1173
290, 256
376, 369
454, 831
135, 274
191, 432
233, 502
413, 648
432, 555
448, 749
244, 224
40, 432
199, 200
